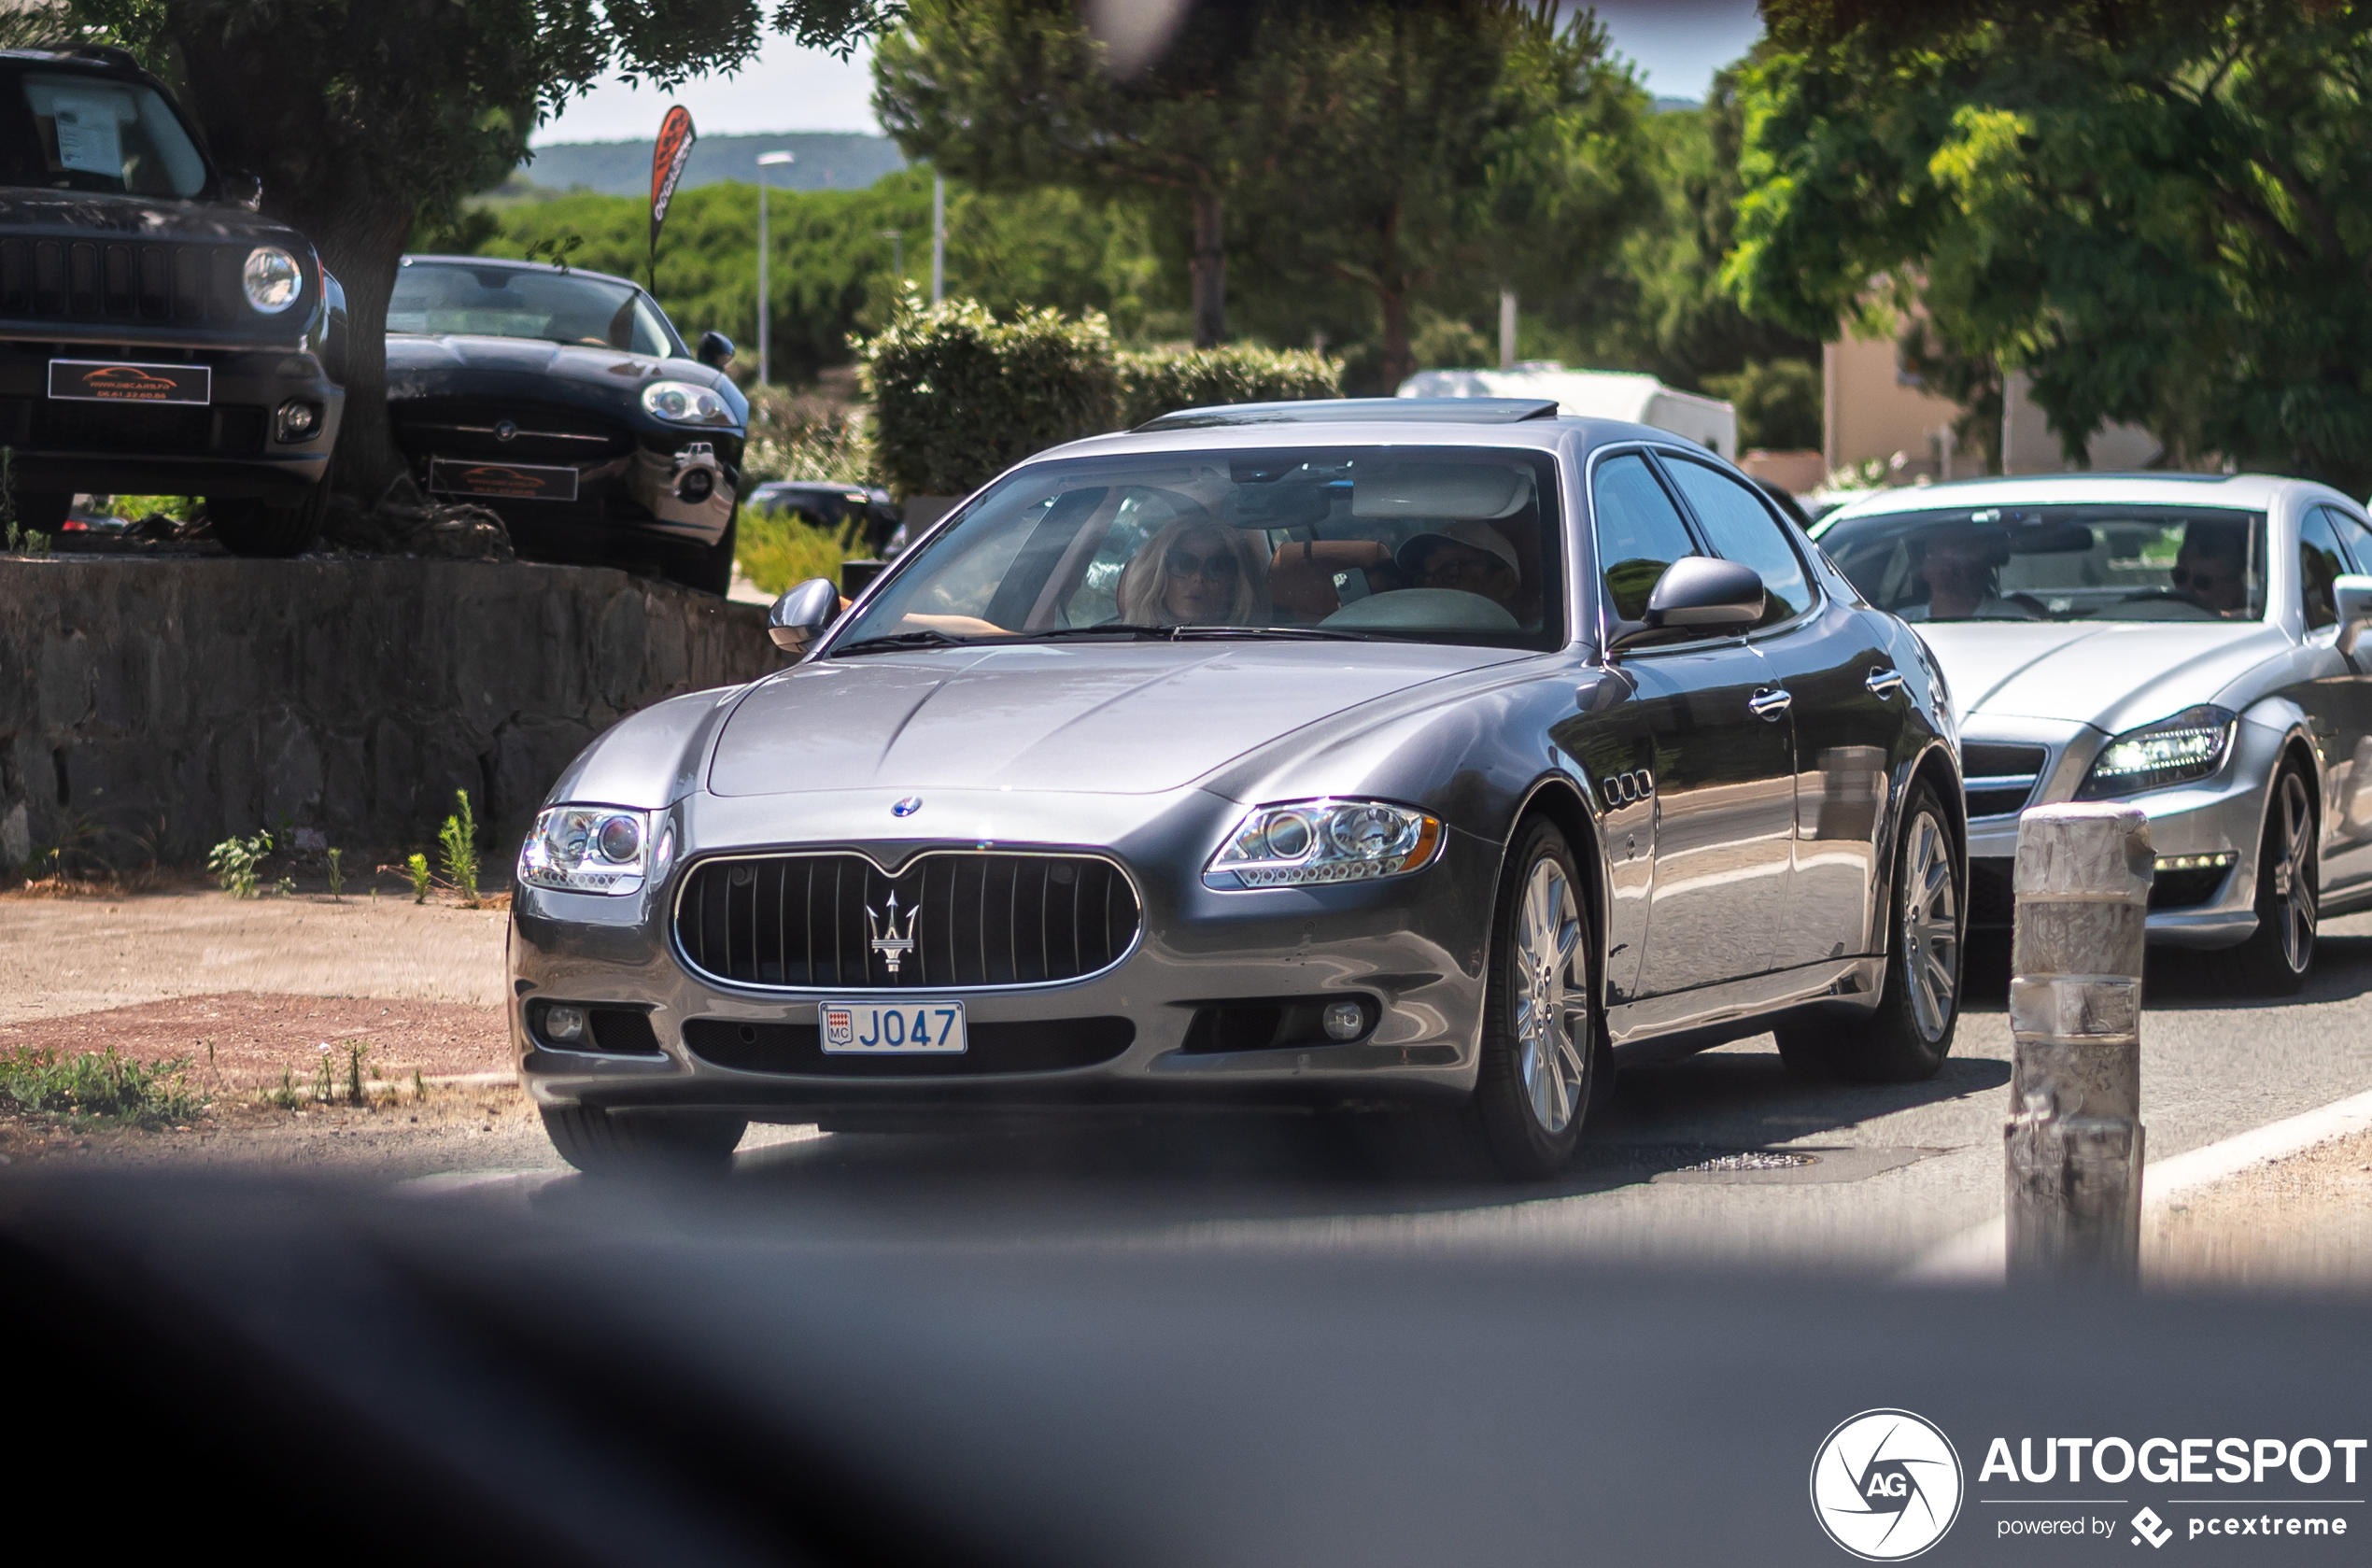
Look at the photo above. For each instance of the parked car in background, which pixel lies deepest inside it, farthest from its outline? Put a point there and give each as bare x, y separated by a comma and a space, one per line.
832, 505
1319, 754
2186, 644
564, 401
156, 337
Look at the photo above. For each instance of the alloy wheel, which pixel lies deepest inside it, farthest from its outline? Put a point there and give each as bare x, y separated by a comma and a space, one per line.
1930, 925
2292, 842
1552, 996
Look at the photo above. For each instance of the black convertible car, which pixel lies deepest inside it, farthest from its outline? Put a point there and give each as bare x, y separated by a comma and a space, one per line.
156, 337
564, 401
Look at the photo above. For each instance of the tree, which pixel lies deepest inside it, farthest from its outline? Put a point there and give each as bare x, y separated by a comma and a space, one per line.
364, 117
1009, 94
2161, 211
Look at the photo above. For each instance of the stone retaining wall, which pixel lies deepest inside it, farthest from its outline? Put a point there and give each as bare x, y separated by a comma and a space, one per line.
152, 707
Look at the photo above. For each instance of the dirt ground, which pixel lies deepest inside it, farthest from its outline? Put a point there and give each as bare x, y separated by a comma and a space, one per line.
2304, 1222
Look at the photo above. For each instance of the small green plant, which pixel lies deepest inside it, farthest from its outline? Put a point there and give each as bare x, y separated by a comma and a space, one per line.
417, 867
284, 887
459, 838
324, 1087
337, 873
98, 1088
235, 862
285, 1096
355, 1051
419, 1087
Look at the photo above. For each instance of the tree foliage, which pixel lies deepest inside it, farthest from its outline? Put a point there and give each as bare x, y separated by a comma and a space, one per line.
2161, 210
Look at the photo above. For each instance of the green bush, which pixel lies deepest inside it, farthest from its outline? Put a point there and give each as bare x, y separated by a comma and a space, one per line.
1155, 383
959, 396
1778, 403
780, 547
98, 1088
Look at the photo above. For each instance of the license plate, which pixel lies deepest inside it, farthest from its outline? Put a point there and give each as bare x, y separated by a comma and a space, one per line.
113, 381
882, 1029
503, 481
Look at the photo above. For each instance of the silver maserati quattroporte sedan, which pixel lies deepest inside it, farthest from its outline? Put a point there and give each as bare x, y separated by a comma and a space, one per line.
1438, 755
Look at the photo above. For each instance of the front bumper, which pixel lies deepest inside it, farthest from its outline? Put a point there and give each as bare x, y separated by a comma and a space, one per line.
228, 447
2218, 816
1413, 946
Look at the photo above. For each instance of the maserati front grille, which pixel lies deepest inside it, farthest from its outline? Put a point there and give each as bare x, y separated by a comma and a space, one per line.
947, 920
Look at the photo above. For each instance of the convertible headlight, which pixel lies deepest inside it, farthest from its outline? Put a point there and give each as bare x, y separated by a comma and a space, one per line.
592, 849
1305, 843
681, 402
272, 278
2188, 746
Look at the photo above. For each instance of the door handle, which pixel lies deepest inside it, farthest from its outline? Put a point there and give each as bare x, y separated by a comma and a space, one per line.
1769, 705
1884, 682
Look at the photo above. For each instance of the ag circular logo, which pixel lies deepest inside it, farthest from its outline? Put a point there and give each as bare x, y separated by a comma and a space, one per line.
1886, 1485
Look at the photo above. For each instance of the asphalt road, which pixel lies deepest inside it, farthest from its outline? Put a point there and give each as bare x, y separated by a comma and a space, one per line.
1716, 1160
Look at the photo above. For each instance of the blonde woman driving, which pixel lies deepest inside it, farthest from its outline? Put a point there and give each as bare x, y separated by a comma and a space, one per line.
1195, 573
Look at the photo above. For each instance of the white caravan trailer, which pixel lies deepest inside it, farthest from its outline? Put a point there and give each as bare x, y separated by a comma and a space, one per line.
1594, 394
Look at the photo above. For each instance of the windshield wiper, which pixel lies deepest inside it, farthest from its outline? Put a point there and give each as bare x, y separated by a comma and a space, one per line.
1134, 632
1272, 633
927, 638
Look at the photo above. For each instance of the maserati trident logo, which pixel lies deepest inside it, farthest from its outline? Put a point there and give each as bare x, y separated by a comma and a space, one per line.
906, 807
1886, 1484
892, 943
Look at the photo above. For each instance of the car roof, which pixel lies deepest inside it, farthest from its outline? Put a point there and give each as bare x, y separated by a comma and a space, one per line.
1344, 425
1346, 411
2252, 492
513, 264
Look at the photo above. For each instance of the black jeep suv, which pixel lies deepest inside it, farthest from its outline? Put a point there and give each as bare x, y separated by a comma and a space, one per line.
156, 337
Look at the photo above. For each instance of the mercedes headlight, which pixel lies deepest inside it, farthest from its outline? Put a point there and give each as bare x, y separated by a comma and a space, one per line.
2187, 747
681, 402
272, 278
1304, 843
592, 849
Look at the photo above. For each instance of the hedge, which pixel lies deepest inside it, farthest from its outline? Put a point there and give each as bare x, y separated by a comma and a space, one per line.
959, 396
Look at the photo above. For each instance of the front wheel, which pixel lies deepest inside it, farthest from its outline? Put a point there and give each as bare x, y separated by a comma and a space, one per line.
1909, 1034
1540, 1030
2274, 961
608, 1143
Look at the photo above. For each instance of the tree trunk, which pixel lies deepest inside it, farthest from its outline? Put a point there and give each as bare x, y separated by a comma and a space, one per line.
361, 242
1399, 361
1209, 269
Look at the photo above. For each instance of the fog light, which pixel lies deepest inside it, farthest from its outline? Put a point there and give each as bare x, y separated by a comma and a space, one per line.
694, 486
564, 1023
1343, 1021
299, 421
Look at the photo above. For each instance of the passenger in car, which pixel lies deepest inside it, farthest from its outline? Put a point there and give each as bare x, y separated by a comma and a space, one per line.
2212, 569
1962, 569
1195, 573
1469, 556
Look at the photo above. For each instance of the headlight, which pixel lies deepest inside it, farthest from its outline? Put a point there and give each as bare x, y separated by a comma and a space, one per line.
592, 849
1302, 843
273, 279
2188, 746
681, 402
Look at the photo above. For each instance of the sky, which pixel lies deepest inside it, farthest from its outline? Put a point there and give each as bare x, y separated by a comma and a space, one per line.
1676, 44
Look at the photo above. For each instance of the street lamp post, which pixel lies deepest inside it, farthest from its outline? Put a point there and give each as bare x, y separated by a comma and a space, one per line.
764, 161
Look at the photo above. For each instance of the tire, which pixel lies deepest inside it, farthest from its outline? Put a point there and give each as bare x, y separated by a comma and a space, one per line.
1910, 1034
706, 567
1541, 1060
2276, 958
249, 528
601, 1143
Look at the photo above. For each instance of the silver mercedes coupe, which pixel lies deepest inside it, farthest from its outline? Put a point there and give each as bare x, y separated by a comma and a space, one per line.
2186, 643
1433, 756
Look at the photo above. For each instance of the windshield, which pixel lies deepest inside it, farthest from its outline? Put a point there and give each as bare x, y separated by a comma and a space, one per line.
68, 131
1429, 544
2089, 562
438, 297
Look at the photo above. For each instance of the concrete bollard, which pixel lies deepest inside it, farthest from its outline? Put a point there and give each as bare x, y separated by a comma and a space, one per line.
2074, 1140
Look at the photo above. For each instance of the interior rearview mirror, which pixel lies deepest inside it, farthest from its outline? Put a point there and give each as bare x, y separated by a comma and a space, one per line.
715, 350
1696, 594
800, 615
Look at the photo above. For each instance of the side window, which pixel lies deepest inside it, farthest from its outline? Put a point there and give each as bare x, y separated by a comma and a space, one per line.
1640, 532
2356, 539
2318, 564
1741, 528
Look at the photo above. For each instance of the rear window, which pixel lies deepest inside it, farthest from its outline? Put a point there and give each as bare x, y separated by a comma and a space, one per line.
69, 131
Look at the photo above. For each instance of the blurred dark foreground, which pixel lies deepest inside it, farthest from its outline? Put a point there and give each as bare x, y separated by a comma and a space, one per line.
668, 1375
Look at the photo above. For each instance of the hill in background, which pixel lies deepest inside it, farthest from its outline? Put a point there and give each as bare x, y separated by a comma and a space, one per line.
827, 160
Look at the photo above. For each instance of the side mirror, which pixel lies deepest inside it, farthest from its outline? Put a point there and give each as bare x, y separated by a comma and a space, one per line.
715, 350
1696, 594
2354, 597
242, 188
800, 615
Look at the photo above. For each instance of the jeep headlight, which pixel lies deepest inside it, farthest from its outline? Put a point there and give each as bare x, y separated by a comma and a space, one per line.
272, 278
592, 849
2187, 747
1302, 843
681, 403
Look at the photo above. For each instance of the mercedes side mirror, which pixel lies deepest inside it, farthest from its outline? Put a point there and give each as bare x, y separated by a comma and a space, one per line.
800, 615
2354, 597
715, 350
1697, 595
242, 188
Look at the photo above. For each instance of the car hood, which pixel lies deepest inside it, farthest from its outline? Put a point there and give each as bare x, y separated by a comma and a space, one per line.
24, 211
1135, 719
419, 364
2112, 674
